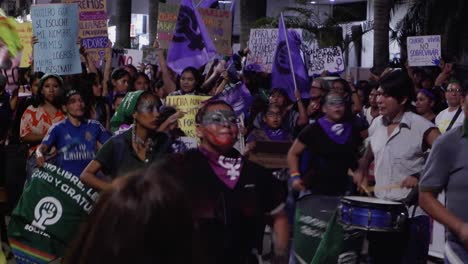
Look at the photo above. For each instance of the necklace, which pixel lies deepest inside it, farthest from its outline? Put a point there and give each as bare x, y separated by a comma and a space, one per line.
137, 140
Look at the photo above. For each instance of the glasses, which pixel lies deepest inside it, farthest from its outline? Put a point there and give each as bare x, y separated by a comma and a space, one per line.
273, 114
453, 90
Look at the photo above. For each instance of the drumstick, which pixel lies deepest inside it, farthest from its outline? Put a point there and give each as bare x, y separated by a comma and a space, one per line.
366, 190
384, 187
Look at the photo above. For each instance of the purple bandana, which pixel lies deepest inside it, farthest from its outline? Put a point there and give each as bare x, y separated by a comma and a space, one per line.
338, 132
275, 134
226, 168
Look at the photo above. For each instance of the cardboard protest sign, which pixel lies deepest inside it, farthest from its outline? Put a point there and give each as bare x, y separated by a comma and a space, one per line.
56, 27
262, 45
323, 59
121, 57
25, 33
167, 19
218, 23
424, 50
189, 104
93, 27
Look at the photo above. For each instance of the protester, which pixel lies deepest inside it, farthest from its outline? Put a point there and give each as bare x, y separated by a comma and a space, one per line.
37, 119
453, 115
143, 218
229, 195
96, 105
425, 103
372, 111
446, 171
189, 82
140, 82
120, 80
271, 129
135, 148
333, 144
398, 141
76, 138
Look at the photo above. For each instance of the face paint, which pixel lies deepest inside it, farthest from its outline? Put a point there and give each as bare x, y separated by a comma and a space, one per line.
219, 117
334, 100
148, 106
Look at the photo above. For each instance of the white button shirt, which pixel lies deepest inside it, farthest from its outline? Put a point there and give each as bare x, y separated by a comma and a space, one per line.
399, 155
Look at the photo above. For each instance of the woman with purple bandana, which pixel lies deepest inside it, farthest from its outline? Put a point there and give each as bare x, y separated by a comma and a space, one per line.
333, 144
270, 130
425, 103
230, 195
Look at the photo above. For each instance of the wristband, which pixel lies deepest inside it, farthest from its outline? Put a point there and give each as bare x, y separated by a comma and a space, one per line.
416, 175
295, 173
38, 153
293, 178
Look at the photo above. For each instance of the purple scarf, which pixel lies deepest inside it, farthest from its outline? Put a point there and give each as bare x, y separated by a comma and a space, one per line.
279, 134
338, 132
226, 168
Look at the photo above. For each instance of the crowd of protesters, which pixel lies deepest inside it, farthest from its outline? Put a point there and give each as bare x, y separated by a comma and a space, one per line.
113, 130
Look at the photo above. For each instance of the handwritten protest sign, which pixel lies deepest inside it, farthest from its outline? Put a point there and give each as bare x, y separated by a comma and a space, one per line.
56, 27
121, 57
424, 50
217, 22
150, 56
166, 23
262, 45
323, 59
189, 104
93, 27
219, 25
25, 33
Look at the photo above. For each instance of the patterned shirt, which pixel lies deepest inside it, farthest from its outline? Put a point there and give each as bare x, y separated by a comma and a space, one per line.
38, 121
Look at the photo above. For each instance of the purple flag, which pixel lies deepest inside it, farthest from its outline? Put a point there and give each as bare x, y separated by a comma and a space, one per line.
208, 4
282, 70
238, 96
191, 44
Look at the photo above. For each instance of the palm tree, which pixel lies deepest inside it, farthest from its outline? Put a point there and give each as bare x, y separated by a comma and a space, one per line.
250, 11
432, 17
123, 18
381, 34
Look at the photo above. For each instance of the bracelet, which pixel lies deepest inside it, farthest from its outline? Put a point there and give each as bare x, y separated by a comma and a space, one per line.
293, 178
38, 153
295, 173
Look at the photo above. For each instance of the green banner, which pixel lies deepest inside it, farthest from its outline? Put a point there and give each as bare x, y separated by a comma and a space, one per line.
319, 238
49, 212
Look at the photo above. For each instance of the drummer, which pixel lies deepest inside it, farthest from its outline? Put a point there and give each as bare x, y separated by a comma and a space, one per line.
398, 140
333, 146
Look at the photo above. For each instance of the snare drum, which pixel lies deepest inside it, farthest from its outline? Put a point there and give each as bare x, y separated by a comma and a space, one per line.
372, 214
